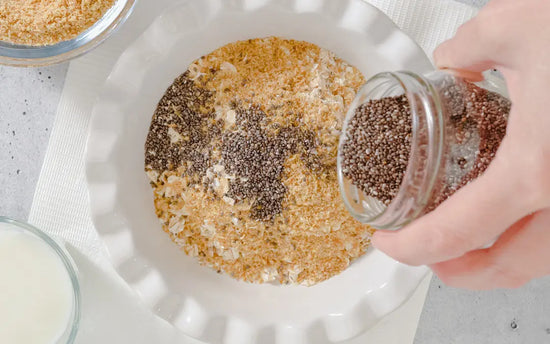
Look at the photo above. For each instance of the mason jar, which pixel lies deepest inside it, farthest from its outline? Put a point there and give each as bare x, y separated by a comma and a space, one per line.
445, 152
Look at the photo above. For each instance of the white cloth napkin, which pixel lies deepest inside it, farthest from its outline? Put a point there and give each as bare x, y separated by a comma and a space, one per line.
111, 313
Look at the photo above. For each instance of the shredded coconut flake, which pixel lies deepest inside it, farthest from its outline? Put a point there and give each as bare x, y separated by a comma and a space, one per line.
270, 274
175, 137
228, 66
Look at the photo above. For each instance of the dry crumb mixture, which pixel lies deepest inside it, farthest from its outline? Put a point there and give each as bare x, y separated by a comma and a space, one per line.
241, 154
46, 22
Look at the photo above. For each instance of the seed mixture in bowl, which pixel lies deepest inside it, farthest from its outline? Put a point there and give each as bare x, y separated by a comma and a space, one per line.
46, 22
241, 155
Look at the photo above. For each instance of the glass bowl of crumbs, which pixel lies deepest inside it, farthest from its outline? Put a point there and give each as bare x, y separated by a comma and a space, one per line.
37, 33
211, 167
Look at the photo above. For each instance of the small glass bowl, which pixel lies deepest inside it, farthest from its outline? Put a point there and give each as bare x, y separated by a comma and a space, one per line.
71, 330
33, 56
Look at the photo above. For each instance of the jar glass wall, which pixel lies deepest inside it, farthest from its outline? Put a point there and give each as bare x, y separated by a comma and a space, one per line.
455, 129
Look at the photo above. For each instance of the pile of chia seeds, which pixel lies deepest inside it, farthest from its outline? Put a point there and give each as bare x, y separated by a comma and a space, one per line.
185, 133
377, 145
182, 111
257, 158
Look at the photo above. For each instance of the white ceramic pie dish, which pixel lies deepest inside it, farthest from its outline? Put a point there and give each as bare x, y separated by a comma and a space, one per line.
203, 304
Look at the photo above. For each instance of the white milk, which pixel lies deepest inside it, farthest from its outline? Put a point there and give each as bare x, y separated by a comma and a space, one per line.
36, 295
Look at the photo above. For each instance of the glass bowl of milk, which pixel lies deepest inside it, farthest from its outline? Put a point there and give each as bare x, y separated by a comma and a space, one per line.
39, 290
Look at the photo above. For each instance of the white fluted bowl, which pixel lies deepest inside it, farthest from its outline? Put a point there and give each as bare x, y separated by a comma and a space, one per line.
208, 306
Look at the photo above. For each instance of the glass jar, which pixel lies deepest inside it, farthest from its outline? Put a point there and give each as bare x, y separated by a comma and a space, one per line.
446, 149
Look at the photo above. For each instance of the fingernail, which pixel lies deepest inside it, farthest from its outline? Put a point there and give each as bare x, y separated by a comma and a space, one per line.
464, 74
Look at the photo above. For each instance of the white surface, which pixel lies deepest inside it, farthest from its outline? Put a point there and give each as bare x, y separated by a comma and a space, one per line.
36, 295
61, 205
112, 314
202, 303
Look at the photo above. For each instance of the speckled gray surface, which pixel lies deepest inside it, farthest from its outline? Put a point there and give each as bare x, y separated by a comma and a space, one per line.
28, 101
456, 316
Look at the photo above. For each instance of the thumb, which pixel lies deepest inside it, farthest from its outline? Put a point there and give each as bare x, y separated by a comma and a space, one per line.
472, 49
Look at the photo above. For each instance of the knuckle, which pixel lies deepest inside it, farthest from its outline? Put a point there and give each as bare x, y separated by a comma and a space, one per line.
541, 177
487, 29
515, 283
452, 279
510, 277
447, 242
446, 277
536, 178
527, 170
433, 243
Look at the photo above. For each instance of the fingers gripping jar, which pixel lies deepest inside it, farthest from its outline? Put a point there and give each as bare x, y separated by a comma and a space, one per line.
410, 141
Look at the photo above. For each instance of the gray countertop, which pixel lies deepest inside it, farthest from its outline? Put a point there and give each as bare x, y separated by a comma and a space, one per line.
28, 101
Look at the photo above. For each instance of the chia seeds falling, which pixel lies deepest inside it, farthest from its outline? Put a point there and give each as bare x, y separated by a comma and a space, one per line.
378, 142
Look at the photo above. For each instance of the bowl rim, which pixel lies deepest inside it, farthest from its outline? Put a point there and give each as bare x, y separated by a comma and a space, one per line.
20, 55
70, 267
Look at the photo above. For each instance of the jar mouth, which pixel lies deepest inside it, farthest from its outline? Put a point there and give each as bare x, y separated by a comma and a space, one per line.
426, 120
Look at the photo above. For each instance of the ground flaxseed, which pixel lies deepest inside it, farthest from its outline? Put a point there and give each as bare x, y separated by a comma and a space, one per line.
32, 22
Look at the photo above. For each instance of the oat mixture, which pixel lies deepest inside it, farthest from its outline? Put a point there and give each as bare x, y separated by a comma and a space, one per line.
46, 22
241, 155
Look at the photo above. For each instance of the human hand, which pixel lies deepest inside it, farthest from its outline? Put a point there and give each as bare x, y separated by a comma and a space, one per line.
510, 202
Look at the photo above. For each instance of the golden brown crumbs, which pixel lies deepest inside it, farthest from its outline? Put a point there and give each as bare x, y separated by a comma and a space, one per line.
299, 83
46, 22
268, 126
